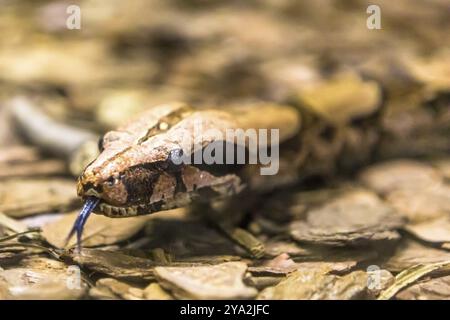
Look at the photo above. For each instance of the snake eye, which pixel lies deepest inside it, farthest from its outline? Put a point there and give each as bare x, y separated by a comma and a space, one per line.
175, 158
111, 181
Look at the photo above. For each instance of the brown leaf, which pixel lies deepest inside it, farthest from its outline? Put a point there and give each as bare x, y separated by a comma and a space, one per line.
19, 198
433, 72
43, 279
155, 292
317, 284
358, 217
115, 264
437, 230
343, 98
18, 154
33, 169
411, 275
222, 281
410, 253
432, 289
283, 207
399, 174
276, 247
421, 205
119, 288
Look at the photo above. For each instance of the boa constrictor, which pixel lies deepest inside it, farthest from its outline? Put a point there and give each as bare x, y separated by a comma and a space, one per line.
136, 171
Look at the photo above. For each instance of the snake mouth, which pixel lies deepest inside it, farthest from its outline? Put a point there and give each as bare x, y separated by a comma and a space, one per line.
118, 211
95, 204
181, 199
112, 211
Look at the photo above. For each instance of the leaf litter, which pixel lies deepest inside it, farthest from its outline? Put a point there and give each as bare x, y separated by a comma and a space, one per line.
321, 241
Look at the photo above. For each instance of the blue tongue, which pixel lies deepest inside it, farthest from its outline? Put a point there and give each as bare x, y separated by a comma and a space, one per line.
89, 205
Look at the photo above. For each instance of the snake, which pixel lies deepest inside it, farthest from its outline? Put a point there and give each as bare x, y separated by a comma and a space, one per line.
136, 170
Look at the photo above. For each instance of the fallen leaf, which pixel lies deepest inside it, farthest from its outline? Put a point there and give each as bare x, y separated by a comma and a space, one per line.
222, 281
283, 261
12, 224
20, 198
411, 275
119, 288
18, 154
44, 279
431, 289
420, 205
276, 247
399, 174
433, 71
317, 284
410, 253
358, 218
39, 168
155, 292
115, 264
435, 231
342, 98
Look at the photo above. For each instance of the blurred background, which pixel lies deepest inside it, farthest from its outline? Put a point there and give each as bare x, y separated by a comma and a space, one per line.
138, 53
130, 55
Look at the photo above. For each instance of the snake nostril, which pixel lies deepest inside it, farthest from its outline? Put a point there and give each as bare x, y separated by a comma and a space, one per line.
89, 189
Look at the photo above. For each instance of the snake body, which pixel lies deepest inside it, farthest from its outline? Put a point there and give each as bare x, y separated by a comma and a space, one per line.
136, 171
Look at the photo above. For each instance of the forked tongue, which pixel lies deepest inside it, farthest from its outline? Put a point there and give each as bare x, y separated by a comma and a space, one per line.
89, 205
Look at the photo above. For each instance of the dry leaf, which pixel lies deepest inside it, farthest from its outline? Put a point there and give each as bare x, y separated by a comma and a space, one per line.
118, 288
33, 169
437, 230
222, 281
358, 218
410, 275
317, 284
421, 205
19, 198
115, 264
432, 289
43, 279
433, 72
410, 253
155, 292
399, 174
343, 98
276, 247
18, 154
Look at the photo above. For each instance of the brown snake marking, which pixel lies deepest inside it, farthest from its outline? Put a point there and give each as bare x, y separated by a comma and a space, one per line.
135, 174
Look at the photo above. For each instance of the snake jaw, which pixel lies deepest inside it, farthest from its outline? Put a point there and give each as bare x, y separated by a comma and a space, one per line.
89, 206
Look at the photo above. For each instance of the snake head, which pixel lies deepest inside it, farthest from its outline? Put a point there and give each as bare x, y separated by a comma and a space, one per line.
139, 171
